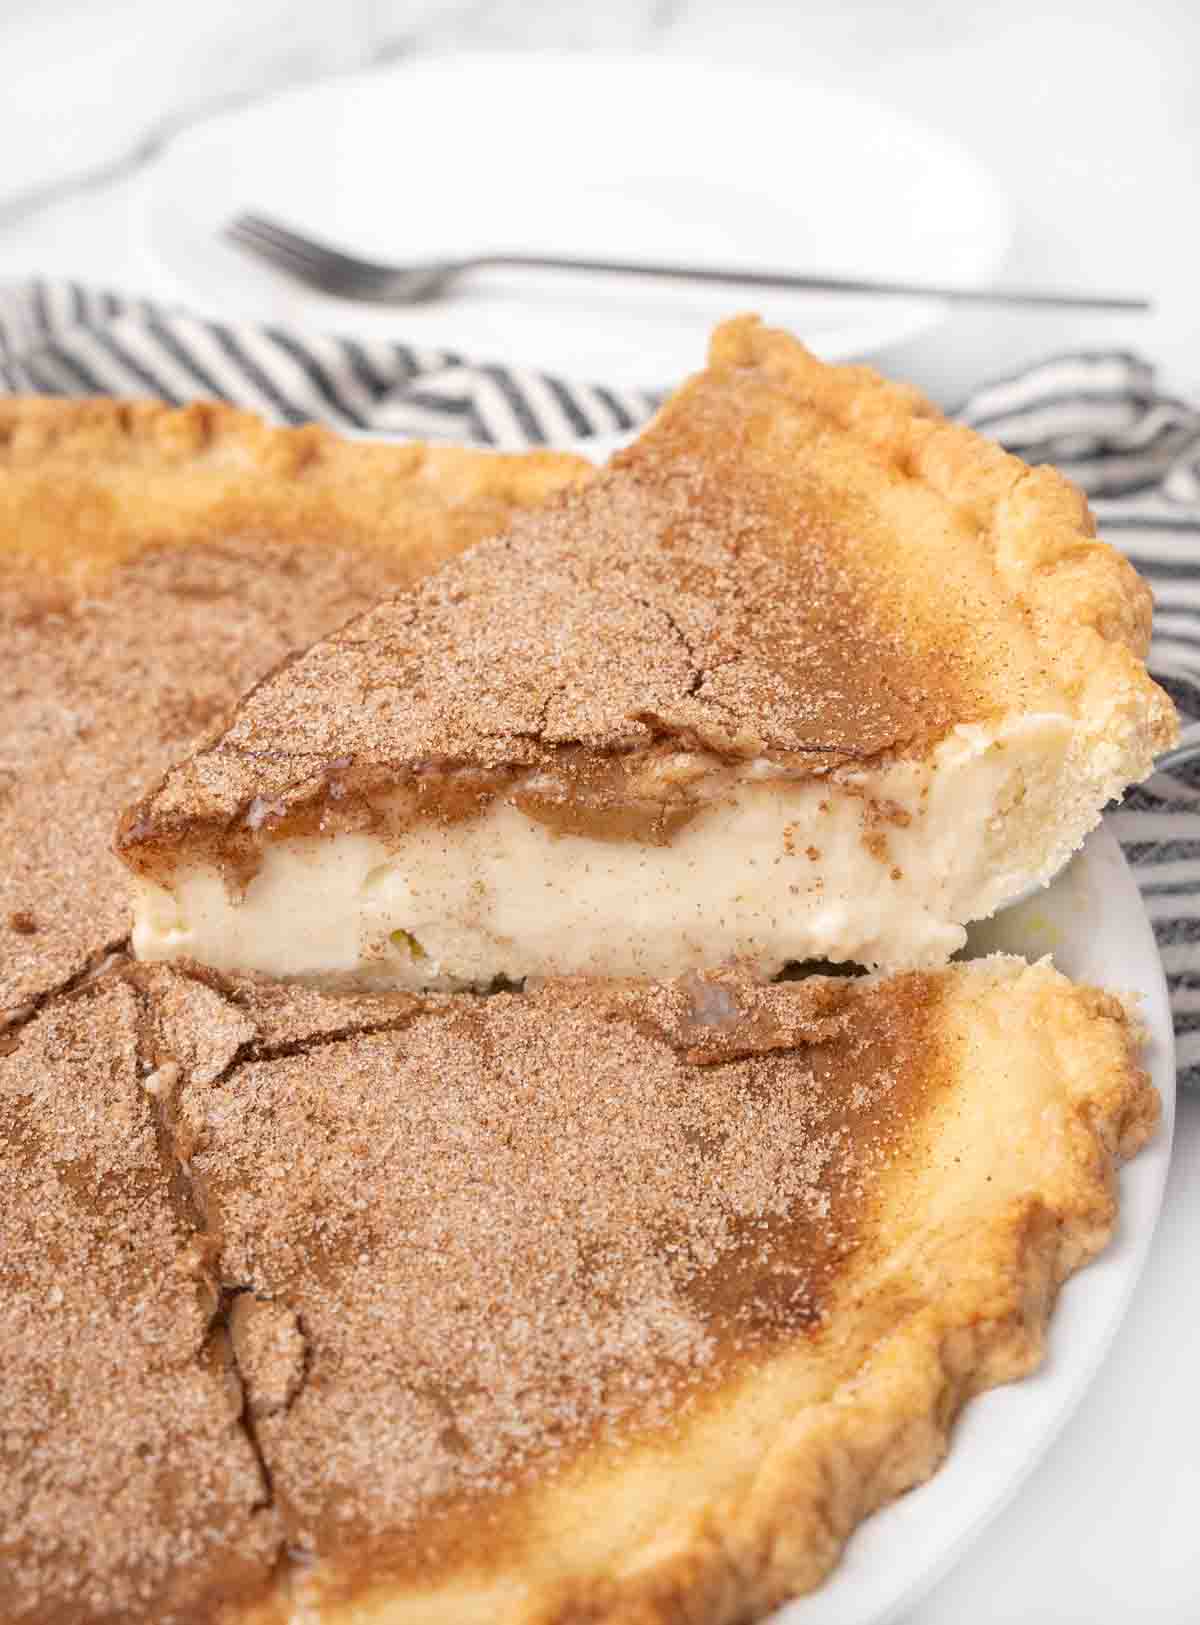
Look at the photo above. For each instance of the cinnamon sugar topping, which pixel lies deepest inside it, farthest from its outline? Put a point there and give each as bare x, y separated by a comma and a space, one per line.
776, 571
336, 1313
311, 1301
127, 1489
506, 1224
269, 1347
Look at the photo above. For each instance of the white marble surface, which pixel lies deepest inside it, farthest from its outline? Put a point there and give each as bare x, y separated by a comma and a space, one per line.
1088, 113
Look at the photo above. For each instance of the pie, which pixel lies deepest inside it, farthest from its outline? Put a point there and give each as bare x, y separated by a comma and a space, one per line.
807, 672
603, 1302
154, 563
612, 1299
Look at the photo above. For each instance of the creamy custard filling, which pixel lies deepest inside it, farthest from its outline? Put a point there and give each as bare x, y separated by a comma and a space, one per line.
882, 867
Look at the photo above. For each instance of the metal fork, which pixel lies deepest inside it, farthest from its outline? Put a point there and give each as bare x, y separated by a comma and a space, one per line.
328, 269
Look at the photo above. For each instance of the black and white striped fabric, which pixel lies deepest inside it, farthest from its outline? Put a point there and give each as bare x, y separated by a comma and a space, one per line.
59, 338
1100, 416
1135, 450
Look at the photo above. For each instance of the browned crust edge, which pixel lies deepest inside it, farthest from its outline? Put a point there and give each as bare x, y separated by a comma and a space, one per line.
303, 477
105, 432
889, 1429
1086, 604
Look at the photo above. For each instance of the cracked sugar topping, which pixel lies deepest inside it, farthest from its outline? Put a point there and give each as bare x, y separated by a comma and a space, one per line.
336, 1310
509, 1224
127, 1487
270, 1287
771, 573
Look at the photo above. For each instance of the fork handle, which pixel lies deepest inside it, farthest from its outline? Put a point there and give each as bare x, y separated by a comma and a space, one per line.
808, 284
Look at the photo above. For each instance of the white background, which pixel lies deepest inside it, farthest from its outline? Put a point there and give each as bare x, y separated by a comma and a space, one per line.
1089, 115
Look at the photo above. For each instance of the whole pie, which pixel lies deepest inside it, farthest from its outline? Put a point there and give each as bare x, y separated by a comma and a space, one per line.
604, 1299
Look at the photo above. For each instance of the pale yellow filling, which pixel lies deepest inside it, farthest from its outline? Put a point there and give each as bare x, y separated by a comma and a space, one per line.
883, 869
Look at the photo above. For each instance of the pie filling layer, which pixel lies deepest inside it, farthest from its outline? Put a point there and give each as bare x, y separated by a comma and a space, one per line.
879, 866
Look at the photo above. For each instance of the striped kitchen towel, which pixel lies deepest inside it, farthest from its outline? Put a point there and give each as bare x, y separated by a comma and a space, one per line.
1101, 416
58, 338
1134, 448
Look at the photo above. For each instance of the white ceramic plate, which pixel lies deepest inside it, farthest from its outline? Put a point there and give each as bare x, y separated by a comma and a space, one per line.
613, 156
1093, 923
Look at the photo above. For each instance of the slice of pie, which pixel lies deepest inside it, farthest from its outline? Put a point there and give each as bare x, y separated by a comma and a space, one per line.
155, 563
604, 1302
808, 672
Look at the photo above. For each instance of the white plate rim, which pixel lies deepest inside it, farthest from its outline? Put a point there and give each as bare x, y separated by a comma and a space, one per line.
893, 324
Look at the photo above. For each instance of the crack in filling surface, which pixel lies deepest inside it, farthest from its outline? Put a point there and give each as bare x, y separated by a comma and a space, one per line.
126, 1488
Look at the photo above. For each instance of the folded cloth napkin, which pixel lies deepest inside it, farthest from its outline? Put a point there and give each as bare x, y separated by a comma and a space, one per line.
59, 338
1098, 415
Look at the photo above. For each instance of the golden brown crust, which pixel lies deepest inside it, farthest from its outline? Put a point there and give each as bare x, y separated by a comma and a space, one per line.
795, 562
154, 562
85, 484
